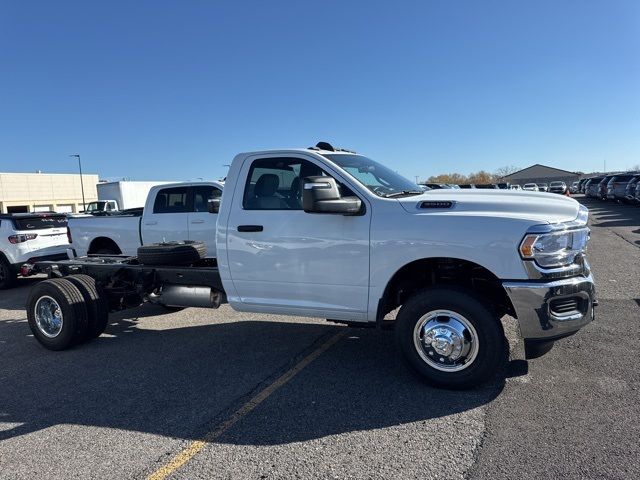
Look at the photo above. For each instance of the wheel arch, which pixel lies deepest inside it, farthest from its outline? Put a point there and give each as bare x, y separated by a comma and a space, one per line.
443, 271
4, 257
99, 243
11, 266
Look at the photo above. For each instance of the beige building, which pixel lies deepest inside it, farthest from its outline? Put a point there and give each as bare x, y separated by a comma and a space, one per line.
45, 192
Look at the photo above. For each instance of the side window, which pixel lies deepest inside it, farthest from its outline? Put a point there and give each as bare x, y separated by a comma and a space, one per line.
202, 195
276, 183
171, 200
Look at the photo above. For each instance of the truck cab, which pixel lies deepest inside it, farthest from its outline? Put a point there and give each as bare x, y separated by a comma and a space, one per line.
180, 211
329, 233
101, 207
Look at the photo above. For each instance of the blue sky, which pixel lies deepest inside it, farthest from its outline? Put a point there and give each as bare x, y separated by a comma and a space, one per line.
174, 89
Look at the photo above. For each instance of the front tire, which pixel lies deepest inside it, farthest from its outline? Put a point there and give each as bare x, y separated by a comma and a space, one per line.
450, 339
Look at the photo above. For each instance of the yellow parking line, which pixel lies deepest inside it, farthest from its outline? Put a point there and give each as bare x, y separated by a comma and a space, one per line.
194, 447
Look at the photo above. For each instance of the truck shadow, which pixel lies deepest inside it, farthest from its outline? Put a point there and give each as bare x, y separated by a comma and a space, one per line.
180, 382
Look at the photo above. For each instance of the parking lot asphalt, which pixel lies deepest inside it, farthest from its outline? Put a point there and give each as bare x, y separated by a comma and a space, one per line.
157, 383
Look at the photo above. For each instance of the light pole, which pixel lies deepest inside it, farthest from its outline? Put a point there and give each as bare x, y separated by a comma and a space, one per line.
84, 205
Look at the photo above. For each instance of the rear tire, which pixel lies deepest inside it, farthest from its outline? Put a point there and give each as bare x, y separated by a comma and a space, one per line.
450, 339
97, 304
57, 314
8, 276
172, 253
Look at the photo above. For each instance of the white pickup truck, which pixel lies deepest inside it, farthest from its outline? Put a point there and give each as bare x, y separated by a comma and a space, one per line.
324, 232
102, 207
175, 211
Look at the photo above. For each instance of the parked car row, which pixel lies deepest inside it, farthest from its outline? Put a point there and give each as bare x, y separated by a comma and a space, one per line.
619, 187
560, 187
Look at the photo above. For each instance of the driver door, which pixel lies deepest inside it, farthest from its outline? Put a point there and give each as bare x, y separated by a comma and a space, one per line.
288, 261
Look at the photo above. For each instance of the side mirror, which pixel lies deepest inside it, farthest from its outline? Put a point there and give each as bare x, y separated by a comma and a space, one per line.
213, 205
321, 195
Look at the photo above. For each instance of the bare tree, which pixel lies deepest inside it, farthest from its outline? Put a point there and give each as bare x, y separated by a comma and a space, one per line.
454, 178
506, 170
477, 177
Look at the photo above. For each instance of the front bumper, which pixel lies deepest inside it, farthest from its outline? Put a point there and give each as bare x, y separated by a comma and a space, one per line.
552, 309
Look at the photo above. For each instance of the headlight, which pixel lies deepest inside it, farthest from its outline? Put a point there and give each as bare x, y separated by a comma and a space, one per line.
554, 249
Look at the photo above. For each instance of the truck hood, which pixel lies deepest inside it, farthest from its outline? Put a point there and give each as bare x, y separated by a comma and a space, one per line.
539, 207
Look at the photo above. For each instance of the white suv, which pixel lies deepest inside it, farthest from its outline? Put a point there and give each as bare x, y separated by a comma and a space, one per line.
29, 237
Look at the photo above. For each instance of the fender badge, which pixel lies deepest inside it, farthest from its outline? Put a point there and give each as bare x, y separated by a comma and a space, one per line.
436, 204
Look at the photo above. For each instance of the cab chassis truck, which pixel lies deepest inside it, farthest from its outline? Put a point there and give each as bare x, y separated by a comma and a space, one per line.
325, 232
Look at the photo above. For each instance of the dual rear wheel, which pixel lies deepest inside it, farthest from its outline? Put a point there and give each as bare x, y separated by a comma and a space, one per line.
63, 312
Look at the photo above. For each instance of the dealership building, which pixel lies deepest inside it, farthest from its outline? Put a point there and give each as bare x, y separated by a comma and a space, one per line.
45, 192
541, 174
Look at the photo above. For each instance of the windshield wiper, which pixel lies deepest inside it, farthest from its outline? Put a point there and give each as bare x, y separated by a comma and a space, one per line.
403, 192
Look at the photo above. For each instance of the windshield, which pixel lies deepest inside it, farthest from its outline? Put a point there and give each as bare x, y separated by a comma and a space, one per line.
556, 184
95, 206
376, 177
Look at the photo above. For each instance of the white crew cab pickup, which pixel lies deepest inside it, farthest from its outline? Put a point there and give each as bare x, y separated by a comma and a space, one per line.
328, 233
26, 238
174, 211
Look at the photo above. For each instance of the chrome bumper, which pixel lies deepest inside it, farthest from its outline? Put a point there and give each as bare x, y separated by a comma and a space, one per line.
545, 310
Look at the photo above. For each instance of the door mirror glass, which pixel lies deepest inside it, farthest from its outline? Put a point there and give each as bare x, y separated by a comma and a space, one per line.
213, 205
321, 195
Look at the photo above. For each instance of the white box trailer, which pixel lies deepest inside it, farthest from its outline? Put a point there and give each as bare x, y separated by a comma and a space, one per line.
128, 194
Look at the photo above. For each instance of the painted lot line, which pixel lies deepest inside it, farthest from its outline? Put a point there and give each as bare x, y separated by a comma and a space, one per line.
194, 447
152, 384
356, 412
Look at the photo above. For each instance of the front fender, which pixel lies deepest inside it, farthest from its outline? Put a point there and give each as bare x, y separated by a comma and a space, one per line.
400, 239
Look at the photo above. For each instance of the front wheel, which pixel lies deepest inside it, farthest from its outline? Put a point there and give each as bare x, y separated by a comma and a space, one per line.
450, 338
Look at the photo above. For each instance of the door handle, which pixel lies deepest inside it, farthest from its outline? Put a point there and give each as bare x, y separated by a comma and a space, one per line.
150, 223
197, 221
250, 228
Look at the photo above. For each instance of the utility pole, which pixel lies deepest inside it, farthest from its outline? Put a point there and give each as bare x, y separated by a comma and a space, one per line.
416, 179
84, 205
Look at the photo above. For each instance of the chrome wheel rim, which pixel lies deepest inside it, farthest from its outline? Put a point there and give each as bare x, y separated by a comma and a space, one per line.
48, 316
446, 340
